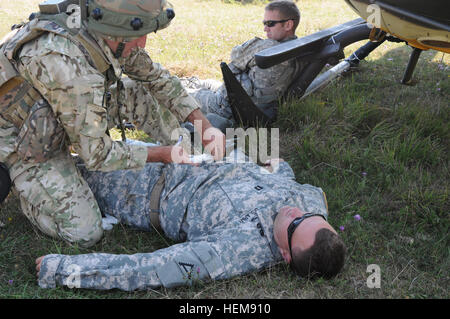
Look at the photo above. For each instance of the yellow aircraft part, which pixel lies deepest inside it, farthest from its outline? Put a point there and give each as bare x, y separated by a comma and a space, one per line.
418, 36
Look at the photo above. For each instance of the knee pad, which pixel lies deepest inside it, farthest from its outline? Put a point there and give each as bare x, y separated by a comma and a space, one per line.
83, 237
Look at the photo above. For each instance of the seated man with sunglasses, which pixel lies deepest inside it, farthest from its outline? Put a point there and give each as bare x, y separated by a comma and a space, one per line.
264, 86
229, 219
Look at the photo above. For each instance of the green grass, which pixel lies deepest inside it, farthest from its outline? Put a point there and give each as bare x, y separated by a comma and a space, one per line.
377, 148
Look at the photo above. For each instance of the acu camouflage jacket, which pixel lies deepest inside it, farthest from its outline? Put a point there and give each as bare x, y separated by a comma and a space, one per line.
221, 214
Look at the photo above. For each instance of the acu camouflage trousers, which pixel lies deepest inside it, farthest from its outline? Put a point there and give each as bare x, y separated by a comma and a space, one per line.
54, 196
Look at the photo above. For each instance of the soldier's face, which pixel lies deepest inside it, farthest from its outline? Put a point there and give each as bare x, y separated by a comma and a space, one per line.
129, 46
303, 236
279, 31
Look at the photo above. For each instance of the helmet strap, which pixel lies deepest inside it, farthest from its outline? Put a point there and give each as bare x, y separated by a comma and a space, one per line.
119, 50
84, 9
119, 88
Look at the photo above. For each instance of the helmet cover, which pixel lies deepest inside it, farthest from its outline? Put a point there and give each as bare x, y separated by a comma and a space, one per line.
128, 18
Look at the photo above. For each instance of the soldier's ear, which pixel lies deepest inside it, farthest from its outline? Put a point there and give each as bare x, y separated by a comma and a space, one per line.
289, 25
286, 255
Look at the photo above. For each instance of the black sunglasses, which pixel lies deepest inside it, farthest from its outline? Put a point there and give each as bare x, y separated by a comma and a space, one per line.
294, 224
271, 23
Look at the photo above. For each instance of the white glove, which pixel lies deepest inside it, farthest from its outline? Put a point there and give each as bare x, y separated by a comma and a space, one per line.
108, 222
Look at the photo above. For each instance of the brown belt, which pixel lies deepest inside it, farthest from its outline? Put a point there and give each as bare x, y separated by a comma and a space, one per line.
154, 202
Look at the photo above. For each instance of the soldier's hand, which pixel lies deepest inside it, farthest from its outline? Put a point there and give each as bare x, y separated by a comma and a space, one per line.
38, 265
179, 155
214, 142
272, 164
168, 154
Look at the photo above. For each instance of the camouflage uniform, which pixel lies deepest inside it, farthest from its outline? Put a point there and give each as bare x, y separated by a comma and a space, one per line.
262, 85
70, 110
222, 215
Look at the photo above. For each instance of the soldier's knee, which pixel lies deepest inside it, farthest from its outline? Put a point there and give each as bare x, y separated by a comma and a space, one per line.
84, 237
93, 238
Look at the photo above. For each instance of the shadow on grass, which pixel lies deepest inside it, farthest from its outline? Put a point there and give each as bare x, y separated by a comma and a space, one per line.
379, 150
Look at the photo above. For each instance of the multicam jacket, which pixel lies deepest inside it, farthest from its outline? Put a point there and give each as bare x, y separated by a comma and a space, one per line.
222, 213
68, 94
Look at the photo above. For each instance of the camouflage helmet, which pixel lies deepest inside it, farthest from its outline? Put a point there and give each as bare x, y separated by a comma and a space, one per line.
127, 18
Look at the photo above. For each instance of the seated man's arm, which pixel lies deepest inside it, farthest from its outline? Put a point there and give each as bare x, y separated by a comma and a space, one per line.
165, 87
243, 56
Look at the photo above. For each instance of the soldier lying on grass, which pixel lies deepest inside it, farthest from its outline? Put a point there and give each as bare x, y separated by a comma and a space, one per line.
229, 219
